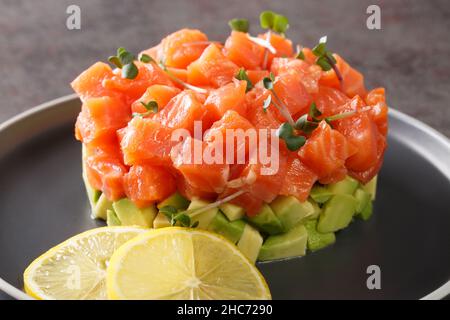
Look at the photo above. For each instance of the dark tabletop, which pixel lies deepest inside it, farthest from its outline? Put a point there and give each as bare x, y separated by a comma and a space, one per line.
409, 55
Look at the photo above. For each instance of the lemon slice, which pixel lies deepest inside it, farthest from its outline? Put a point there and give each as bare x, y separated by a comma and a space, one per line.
76, 268
179, 263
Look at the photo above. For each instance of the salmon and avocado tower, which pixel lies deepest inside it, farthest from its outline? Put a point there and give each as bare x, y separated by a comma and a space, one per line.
146, 117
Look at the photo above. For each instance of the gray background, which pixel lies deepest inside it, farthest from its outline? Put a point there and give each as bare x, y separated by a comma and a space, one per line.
409, 56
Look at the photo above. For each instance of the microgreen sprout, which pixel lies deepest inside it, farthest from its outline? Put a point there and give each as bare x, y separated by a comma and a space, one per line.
241, 25
194, 212
242, 75
151, 107
299, 53
293, 142
125, 60
267, 102
274, 22
263, 43
145, 58
325, 58
175, 217
276, 101
307, 126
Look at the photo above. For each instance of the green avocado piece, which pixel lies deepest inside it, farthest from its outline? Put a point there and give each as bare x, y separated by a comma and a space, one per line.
317, 210
363, 199
289, 244
92, 194
112, 219
320, 194
316, 239
176, 200
371, 187
250, 243
346, 186
101, 207
232, 211
291, 211
161, 221
204, 218
337, 213
130, 215
367, 212
267, 221
230, 230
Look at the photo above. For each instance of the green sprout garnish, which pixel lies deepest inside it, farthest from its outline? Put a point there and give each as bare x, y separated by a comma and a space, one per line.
145, 58
307, 126
284, 110
130, 71
241, 25
274, 22
125, 60
293, 142
325, 58
151, 107
267, 103
287, 131
299, 53
197, 211
340, 116
300, 56
175, 217
242, 75
314, 113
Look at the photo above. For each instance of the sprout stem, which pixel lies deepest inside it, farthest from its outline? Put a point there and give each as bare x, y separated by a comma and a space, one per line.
215, 204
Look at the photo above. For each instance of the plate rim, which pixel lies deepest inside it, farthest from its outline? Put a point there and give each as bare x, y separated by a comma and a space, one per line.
14, 292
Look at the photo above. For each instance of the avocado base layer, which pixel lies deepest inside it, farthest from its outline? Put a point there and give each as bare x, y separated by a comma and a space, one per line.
290, 226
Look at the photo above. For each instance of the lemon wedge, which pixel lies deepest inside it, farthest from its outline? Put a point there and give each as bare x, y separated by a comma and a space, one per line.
180, 263
76, 268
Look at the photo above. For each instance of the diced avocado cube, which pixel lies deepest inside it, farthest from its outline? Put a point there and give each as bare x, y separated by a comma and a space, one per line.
316, 239
101, 207
176, 200
204, 218
267, 221
250, 243
112, 219
130, 215
290, 210
289, 244
346, 186
367, 212
96, 196
161, 221
363, 199
92, 194
230, 230
371, 187
232, 211
320, 194
337, 213
317, 210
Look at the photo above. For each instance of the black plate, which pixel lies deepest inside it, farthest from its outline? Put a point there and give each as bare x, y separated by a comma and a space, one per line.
43, 203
